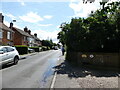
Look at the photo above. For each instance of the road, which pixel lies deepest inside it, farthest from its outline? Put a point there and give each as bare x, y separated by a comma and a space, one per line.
32, 72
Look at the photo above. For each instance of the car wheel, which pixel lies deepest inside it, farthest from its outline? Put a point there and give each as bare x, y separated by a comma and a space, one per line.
16, 60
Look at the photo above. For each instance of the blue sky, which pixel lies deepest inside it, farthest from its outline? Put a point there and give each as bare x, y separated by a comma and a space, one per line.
44, 18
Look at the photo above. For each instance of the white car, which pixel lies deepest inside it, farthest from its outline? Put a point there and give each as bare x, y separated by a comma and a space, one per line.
8, 54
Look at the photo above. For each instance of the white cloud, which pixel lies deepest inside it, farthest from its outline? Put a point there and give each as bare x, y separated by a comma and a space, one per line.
31, 17
22, 3
48, 16
42, 34
10, 16
45, 25
83, 10
58, 27
8, 24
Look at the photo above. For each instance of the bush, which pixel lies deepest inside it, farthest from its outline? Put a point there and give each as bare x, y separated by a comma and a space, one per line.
100, 32
22, 49
48, 48
35, 48
44, 48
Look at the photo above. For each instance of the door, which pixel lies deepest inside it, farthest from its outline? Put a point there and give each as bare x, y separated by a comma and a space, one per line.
4, 56
10, 53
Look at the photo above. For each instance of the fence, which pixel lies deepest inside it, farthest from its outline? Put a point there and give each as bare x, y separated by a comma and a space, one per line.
97, 59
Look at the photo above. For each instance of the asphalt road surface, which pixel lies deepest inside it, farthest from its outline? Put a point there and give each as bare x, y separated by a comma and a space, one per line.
32, 72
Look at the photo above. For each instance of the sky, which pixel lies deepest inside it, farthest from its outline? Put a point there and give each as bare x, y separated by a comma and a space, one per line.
44, 17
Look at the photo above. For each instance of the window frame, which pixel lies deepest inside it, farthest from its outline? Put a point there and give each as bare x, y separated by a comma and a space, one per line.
1, 33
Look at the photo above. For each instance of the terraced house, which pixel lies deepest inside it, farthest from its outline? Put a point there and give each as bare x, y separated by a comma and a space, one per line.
15, 36
6, 34
33, 39
21, 37
24, 37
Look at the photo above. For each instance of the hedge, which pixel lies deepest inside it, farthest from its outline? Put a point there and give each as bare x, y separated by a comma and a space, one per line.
37, 49
44, 48
22, 49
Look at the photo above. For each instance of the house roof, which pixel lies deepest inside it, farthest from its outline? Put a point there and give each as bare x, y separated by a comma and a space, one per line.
3, 26
36, 38
22, 32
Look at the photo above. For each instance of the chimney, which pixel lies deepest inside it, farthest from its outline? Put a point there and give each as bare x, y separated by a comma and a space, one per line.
26, 29
29, 32
35, 34
11, 25
1, 18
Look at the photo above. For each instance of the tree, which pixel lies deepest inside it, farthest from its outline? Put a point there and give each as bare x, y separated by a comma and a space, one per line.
48, 43
100, 32
63, 33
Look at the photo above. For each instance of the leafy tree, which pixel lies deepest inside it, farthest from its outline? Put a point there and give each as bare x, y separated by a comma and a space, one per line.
48, 43
100, 32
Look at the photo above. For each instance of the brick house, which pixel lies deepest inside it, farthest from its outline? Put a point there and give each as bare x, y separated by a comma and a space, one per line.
37, 41
30, 38
21, 37
33, 39
6, 34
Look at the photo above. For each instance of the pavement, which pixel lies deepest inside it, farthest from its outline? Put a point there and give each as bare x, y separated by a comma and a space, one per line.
68, 76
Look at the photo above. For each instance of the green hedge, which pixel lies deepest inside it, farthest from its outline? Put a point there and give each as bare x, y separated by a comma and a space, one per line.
37, 49
22, 49
44, 48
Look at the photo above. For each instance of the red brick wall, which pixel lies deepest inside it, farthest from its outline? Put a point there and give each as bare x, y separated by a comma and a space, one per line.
17, 38
5, 41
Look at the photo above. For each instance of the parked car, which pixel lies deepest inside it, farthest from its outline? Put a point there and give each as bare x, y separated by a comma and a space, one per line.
56, 48
31, 50
8, 54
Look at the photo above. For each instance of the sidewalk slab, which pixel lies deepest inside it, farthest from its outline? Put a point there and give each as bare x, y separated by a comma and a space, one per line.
62, 80
69, 76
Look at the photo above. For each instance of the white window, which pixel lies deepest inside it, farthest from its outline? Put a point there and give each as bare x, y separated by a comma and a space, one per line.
8, 35
1, 34
24, 38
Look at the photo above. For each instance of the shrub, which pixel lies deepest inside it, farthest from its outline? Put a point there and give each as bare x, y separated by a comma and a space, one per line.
22, 49
37, 49
44, 48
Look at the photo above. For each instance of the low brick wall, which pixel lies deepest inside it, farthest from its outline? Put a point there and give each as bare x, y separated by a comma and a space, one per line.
98, 59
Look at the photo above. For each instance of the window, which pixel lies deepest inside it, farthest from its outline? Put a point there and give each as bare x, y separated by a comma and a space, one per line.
9, 49
4, 50
8, 35
25, 38
1, 34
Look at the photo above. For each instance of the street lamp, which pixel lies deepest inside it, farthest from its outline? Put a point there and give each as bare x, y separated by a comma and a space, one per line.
14, 20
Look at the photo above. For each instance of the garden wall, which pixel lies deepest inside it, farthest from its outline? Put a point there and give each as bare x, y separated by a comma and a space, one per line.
96, 59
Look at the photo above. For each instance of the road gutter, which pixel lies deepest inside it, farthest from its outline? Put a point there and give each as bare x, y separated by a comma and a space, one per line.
53, 81
54, 78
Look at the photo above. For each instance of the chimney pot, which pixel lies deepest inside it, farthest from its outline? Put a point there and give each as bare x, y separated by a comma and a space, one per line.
1, 18
35, 34
29, 32
26, 29
11, 25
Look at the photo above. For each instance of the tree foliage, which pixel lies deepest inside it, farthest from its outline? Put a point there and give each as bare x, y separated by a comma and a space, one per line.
100, 32
47, 43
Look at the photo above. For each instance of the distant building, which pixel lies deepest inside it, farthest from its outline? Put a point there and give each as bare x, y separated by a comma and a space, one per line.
33, 39
37, 41
6, 34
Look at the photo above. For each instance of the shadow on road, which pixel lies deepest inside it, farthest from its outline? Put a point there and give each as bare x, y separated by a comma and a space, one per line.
11, 64
7, 65
82, 71
23, 58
